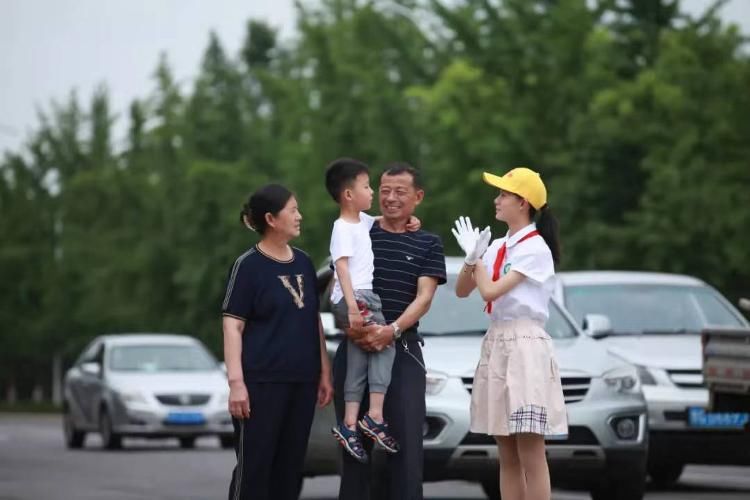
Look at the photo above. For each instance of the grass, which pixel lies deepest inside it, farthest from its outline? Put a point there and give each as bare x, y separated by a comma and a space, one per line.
29, 407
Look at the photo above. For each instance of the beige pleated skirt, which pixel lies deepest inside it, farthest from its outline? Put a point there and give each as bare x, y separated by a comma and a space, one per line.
517, 386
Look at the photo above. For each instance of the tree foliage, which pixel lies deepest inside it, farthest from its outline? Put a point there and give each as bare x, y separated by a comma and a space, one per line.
634, 112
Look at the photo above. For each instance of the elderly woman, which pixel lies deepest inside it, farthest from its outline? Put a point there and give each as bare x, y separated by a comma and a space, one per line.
274, 350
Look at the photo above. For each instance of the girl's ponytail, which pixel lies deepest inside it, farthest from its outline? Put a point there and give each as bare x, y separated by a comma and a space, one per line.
549, 229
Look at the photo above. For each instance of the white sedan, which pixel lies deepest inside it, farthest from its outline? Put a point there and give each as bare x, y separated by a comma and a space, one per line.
146, 385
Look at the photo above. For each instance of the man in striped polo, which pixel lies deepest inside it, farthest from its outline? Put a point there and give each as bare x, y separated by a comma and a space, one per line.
408, 268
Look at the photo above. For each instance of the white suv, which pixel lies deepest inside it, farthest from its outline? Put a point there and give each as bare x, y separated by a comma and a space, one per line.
605, 452
654, 321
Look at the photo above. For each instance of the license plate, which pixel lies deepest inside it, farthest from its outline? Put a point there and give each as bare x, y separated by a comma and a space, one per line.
699, 417
185, 418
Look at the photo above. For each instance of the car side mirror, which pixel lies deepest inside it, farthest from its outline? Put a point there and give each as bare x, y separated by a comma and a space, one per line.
597, 326
744, 304
329, 325
91, 368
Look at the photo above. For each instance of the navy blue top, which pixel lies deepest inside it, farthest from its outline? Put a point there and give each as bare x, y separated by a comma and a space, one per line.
400, 260
279, 303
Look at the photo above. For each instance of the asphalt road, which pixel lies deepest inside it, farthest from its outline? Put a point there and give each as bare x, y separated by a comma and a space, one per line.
34, 465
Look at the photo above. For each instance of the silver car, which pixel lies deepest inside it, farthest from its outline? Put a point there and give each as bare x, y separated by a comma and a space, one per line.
146, 385
654, 321
606, 448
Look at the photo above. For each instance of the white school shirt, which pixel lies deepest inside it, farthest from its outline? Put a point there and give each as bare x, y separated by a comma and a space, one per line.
533, 259
352, 240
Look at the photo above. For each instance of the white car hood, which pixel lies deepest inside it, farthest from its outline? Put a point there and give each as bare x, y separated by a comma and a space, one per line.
458, 356
191, 382
674, 352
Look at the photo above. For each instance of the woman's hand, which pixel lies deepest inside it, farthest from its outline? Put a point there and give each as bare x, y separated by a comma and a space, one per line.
414, 224
325, 389
239, 400
483, 242
467, 237
472, 242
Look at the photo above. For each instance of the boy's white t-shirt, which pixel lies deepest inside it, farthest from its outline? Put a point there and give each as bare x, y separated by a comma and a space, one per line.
352, 240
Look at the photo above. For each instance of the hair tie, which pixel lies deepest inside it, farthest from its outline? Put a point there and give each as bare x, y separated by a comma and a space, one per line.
246, 218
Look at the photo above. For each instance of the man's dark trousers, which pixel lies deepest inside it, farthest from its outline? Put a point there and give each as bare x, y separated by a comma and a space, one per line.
404, 411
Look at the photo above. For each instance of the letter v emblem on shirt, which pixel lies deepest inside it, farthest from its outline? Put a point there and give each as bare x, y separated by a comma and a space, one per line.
299, 297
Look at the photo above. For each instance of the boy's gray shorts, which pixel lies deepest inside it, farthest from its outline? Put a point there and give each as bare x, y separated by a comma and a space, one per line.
362, 367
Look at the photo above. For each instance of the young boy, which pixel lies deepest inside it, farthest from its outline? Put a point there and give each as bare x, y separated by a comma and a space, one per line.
355, 304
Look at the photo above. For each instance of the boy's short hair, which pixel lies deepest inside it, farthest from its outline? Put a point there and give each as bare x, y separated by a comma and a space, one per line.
341, 173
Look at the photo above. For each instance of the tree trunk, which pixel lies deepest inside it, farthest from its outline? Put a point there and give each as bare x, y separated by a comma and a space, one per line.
11, 394
57, 379
37, 393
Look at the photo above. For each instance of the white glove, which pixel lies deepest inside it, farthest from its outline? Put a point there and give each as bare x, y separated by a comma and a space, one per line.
468, 238
483, 242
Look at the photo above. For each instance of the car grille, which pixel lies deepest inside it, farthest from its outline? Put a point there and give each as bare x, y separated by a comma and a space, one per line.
676, 416
686, 378
577, 435
183, 399
574, 388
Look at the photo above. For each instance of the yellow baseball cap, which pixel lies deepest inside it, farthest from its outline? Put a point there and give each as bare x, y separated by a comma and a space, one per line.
523, 182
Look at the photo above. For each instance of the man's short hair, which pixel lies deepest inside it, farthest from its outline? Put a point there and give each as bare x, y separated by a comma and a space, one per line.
401, 167
341, 174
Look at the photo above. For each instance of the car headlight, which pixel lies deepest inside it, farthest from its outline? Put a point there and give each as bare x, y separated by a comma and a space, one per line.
645, 375
623, 379
132, 397
435, 382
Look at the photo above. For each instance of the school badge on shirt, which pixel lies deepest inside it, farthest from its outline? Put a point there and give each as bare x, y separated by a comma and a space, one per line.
297, 296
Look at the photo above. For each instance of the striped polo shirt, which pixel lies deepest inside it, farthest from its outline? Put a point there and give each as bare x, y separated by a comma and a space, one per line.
400, 260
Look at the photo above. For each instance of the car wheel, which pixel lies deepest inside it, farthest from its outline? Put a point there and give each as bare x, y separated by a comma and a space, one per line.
73, 437
665, 474
625, 481
227, 441
491, 488
110, 440
187, 442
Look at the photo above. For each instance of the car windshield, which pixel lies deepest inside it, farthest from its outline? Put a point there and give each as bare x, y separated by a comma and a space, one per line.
450, 315
161, 358
647, 309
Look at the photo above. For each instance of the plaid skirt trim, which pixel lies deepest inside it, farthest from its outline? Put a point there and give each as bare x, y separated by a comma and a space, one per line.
529, 419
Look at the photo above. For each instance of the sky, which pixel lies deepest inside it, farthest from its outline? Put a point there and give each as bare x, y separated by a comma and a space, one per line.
50, 47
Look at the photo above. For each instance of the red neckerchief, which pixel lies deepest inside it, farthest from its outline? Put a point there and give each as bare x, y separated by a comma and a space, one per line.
499, 263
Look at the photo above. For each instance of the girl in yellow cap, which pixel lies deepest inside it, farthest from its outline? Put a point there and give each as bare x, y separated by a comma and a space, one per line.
517, 395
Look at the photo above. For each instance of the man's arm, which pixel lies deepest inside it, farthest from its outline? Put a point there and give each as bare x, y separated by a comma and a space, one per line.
378, 338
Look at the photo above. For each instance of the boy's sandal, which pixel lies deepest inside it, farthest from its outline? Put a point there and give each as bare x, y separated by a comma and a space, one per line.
351, 442
379, 433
